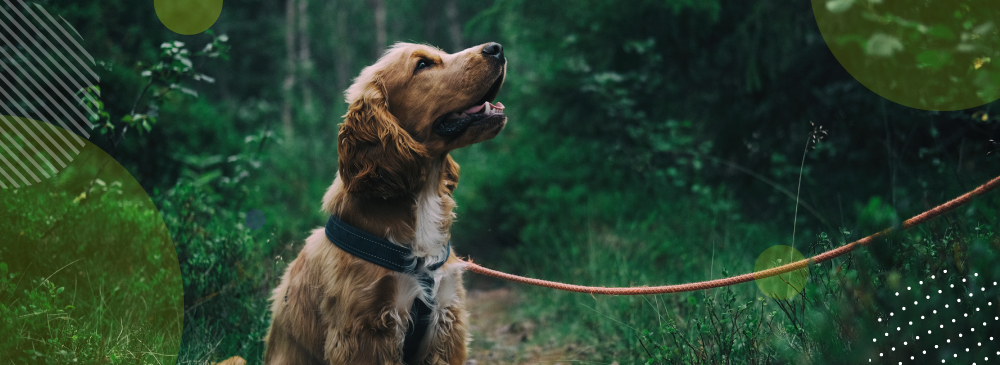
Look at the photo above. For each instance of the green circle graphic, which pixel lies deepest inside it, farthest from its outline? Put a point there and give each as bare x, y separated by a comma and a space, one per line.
786, 285
188, 17
930, 55
88, 271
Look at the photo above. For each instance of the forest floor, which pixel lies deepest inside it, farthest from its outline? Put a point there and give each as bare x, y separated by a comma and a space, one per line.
500, 335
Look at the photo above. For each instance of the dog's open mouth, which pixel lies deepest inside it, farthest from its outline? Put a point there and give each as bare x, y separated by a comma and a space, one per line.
454, 123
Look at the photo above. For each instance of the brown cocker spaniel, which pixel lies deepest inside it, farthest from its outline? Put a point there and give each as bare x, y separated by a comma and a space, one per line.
407, 111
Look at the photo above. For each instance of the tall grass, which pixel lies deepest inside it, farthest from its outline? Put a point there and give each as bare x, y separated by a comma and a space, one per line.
677, 233
88, 273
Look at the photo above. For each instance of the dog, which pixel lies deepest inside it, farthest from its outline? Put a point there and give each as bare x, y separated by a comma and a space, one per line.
380, 284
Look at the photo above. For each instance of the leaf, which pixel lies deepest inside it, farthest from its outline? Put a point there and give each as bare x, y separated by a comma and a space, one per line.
205, 78
933, 59
147, 73
850, 38
883, 45
941, 31
189, 91
978, 63
983, 29
208, 177
839, 6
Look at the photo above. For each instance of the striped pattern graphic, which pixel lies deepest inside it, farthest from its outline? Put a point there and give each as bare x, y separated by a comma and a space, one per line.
45, 84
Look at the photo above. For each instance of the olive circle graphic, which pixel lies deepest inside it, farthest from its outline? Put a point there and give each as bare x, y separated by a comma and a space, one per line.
786, 285
94, 243
188, 17
931, 55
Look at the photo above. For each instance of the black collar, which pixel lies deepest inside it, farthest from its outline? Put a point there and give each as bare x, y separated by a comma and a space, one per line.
381, 252
376, 250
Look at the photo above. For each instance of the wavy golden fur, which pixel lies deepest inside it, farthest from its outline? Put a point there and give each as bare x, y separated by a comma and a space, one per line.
395, 181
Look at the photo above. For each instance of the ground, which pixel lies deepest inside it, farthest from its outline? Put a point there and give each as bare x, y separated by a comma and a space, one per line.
500, 336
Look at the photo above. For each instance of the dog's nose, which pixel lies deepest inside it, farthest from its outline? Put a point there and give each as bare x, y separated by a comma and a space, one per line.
493, 49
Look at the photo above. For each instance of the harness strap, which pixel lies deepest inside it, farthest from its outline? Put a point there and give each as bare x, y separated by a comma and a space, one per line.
381, 252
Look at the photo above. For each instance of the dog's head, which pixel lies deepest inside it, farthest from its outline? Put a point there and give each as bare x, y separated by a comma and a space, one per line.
415, 104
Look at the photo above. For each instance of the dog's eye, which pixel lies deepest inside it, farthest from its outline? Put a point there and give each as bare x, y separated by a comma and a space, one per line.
422, 64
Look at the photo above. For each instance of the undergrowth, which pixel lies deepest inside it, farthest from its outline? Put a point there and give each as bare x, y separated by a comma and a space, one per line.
87, 271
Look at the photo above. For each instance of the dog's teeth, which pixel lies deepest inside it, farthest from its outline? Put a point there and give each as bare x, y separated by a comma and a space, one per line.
488, 112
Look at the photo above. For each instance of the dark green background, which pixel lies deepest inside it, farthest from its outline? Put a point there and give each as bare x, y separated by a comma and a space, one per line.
649, 142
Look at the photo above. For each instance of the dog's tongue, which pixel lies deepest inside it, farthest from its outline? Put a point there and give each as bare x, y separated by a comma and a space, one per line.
477, 108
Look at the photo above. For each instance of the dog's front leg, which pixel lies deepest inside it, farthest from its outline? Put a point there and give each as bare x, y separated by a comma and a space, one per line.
451, 338
369, 330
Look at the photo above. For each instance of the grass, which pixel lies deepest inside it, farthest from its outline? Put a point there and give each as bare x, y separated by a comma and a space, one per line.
676, 230
65, 299
87, 271
827, 322
89, 276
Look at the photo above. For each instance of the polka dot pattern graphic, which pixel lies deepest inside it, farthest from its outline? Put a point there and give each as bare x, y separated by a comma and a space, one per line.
946, 318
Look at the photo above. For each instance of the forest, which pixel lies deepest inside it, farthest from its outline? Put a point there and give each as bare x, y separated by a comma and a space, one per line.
649, 142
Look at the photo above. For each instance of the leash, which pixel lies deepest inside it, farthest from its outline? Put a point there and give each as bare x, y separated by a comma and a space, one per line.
680, 288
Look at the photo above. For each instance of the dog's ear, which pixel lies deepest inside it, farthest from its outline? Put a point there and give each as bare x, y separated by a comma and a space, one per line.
376, 156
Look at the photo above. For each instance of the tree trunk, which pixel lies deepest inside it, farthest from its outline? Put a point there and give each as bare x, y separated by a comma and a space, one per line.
380, 37
454, 24
305, 66
431, 17
289, 84
345, 55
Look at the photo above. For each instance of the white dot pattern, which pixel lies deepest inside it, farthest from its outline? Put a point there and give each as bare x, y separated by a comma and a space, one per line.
956, 315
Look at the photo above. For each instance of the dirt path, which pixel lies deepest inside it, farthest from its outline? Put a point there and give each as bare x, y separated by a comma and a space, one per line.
499, 337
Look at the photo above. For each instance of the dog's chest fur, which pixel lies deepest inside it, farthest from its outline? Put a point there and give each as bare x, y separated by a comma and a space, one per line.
331, 295
433, 213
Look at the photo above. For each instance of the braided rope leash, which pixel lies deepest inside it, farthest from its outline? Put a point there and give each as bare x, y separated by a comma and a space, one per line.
679, 288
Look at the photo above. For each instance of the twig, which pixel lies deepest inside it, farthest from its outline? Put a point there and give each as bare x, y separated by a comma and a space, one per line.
134, 105
798, 190
56, 272
643, 346
141, 94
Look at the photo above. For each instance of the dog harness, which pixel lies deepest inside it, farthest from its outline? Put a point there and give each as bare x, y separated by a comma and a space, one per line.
391, 256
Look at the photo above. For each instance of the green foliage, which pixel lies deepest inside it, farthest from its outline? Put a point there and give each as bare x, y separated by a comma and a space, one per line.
173, 66
86, 275
37, 315
225, 284
658, 142
941, 51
